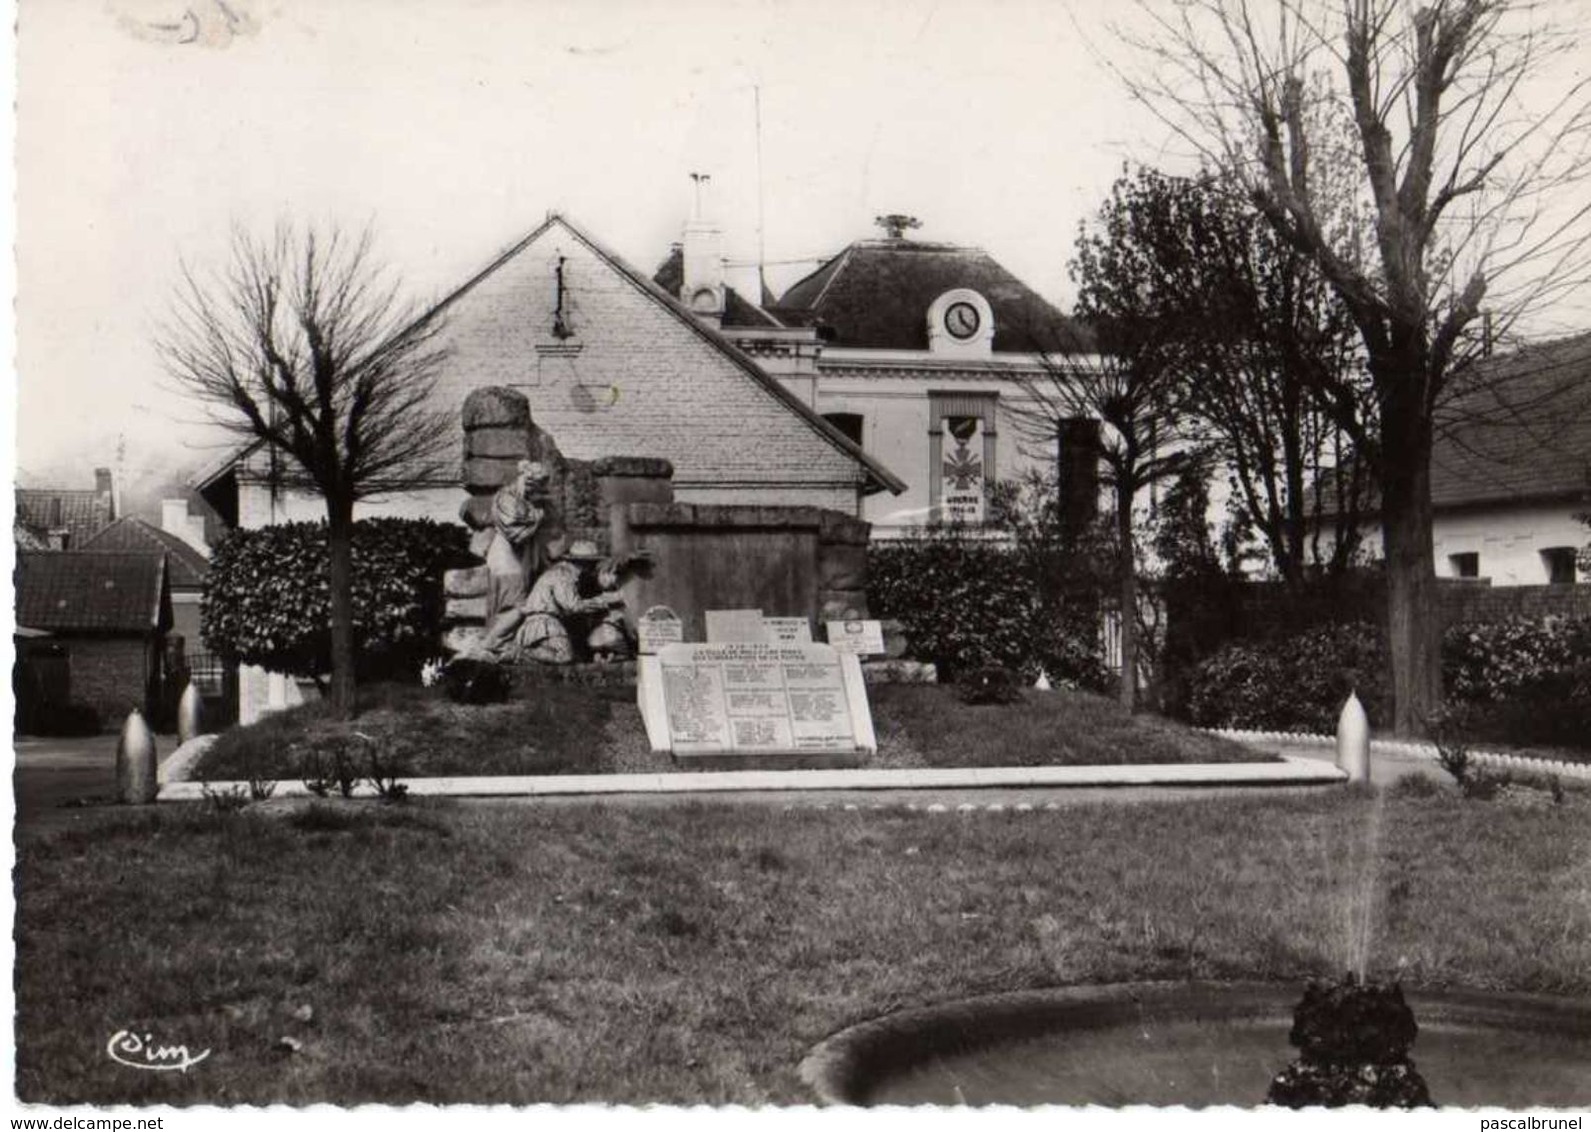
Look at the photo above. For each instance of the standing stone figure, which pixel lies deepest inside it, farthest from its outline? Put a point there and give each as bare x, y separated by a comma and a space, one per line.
518, 509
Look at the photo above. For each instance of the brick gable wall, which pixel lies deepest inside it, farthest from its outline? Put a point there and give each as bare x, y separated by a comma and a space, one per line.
641, 383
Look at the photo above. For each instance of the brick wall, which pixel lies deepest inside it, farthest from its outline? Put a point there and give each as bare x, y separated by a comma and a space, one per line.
110, 675
1461, 602
1258, 610
634, 380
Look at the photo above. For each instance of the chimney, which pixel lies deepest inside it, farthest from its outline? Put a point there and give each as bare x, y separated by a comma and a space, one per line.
702, 287
104, 487
175, 520
1079, 473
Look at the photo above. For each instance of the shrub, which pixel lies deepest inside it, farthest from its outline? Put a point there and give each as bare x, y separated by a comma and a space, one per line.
967, 603
266, 597
1295, 683
1522, 681
992, 685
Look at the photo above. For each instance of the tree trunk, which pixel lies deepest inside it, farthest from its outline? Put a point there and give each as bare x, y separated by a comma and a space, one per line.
340, 576
1413, 617
1129, 605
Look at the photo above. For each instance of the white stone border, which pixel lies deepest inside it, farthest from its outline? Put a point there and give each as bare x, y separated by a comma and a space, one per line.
1407, 747
1289, 771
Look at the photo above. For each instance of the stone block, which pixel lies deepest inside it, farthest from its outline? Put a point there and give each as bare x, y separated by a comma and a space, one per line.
723, 516
472, 609
507, 442
842, 566
842, 605
462, 638
490, 471
476, 512
899, 672
633, 467
619, 490
845, 530
896, 644
469, 582
495, 406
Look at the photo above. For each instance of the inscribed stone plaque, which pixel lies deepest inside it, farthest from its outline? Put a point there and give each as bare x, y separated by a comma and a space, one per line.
657, 627
749, 698
859, 638
788, 630
735, 626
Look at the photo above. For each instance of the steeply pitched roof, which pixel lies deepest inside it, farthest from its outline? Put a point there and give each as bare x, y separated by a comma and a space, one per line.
185, 565
1518, 429
81, 513
878, 476
87, 590
876, 294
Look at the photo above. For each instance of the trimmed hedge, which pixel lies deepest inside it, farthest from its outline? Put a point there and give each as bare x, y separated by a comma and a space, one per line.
1295, 683
968, 604
1522, 682
266, 600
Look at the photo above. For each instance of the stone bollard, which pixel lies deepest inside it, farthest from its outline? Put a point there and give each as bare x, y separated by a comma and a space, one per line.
189, 713
136, 782
1353, 740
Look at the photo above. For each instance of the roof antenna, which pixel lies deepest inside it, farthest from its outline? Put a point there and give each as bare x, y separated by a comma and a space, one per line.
896, 223
700, 179
763, 294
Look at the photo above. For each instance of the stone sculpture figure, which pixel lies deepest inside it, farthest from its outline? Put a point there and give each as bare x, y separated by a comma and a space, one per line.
554, 605
518, 511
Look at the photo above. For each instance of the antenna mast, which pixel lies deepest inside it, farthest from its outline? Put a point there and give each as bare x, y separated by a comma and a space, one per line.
762, 251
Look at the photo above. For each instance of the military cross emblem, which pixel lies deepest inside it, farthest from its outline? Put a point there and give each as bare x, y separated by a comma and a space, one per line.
963, 469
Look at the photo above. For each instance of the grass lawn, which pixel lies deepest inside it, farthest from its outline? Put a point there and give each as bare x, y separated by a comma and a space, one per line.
570, 729
587, 952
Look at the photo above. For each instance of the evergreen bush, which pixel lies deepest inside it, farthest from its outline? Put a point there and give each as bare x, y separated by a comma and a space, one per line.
266, 597
968, 603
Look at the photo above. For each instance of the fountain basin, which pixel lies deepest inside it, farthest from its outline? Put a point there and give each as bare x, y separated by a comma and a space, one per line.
1190, 1043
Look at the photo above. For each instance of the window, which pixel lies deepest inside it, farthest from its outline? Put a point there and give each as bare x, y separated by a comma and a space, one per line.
848, 423
1467, 565
1559, 562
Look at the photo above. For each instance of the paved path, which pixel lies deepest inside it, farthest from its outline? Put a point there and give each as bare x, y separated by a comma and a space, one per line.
54, 779
1385, 766
65, 781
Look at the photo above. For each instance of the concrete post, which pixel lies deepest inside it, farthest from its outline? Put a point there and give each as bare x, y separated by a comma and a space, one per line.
1353, 740
189, 713
136, 783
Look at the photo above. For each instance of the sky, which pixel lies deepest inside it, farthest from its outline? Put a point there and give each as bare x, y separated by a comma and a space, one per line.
147, 128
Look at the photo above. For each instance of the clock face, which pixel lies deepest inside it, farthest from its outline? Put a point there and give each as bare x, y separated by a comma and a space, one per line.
962, 320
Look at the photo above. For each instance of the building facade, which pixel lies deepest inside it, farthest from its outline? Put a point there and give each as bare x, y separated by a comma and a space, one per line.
922, 353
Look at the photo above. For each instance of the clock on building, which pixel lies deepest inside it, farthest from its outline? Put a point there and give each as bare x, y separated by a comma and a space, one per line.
962, 320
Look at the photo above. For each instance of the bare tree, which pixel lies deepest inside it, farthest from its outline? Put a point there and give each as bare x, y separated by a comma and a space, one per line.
302, 343
1470, 159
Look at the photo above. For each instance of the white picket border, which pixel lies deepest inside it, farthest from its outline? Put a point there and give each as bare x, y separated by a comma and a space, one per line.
1407, 747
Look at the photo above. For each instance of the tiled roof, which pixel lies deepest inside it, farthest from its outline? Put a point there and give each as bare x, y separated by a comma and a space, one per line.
186, 567
876, 294
1519, 429
106, 591
79, 512
739, 312
1516, 430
